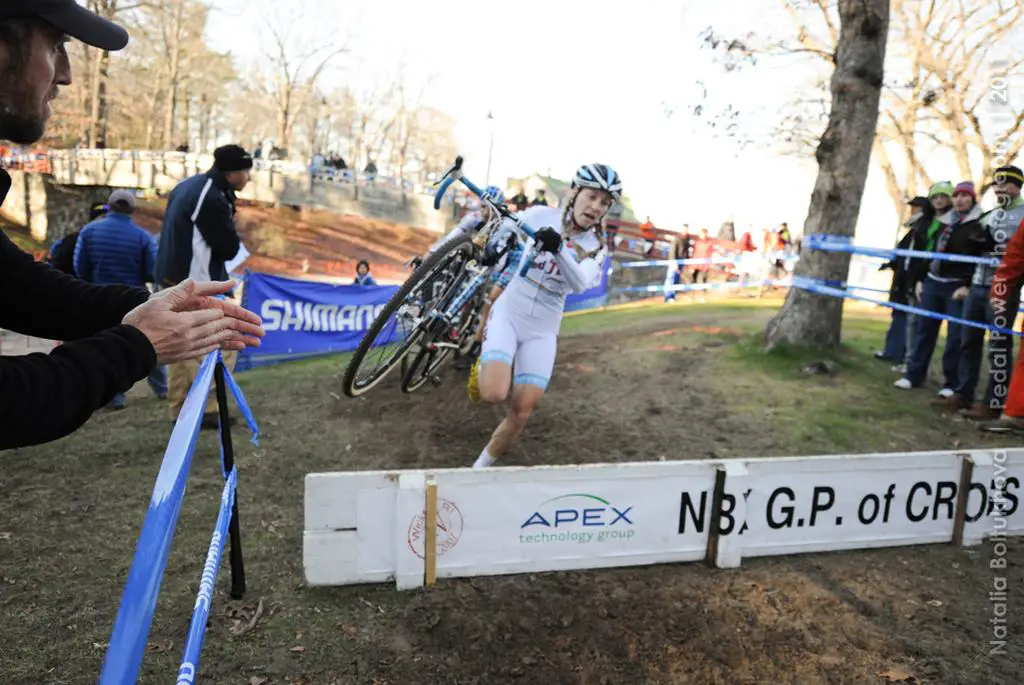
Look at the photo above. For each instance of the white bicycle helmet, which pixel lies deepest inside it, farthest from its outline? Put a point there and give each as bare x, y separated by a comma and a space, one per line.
599, 177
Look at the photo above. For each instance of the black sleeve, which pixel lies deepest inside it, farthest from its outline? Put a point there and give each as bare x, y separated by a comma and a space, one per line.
44, 397
218, 229
38, 300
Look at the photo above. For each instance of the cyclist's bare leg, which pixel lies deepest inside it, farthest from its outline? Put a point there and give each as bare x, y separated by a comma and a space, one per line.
525, 399
494, 381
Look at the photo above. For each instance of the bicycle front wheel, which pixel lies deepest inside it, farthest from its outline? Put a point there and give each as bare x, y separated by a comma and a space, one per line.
400, 325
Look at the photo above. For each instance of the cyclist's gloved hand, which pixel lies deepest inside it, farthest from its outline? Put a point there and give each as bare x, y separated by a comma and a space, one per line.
549, 239
491, 255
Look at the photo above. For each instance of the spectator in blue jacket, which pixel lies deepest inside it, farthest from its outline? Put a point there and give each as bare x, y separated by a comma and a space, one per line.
113, 250
363, 276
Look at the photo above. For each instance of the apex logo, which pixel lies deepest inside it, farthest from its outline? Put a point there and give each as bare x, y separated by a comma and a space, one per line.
578, 509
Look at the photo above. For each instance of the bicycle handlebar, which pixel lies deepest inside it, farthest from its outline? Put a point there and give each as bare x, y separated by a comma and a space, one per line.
455, 174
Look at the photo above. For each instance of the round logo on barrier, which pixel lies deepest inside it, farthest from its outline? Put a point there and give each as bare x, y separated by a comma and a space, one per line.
449, 528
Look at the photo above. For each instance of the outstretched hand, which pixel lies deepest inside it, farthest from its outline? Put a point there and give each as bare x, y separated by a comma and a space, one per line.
188, 321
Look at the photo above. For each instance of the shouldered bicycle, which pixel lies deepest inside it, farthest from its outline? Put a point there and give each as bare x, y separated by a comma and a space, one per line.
436, 310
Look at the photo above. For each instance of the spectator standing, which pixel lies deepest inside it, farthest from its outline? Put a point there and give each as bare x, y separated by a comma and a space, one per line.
520, 201
703, 248
926, 229
895, 349
679, 249
998, 228
944, 290
363, 276
115, 334
113, 250
62, 253
197, 240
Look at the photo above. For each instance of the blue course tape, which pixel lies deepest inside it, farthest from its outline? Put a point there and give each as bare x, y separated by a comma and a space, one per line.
201, 609
832, 243
683, 287
668, 262
243, 407
818, 287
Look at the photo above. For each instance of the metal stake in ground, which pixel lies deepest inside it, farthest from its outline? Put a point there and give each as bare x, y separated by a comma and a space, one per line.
237, 567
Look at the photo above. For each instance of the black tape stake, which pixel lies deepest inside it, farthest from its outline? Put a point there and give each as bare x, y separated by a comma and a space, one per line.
237, 567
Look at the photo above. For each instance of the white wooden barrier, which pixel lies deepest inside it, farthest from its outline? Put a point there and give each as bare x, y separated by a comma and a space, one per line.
371, 526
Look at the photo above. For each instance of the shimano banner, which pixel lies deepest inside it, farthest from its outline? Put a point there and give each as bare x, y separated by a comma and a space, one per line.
304, 318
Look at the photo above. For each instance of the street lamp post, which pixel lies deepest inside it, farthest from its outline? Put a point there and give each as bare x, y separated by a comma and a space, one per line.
490, 153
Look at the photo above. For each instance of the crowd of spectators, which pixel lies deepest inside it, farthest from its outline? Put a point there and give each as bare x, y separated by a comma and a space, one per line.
951, 221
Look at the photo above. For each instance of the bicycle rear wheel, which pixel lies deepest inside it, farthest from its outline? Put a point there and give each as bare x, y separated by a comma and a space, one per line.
399, 326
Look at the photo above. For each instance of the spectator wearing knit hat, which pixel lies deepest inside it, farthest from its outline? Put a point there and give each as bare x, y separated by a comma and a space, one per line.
901, 290
197, 240
997, 228
943, 291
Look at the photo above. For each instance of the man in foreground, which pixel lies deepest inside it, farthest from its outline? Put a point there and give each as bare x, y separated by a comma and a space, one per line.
115, 335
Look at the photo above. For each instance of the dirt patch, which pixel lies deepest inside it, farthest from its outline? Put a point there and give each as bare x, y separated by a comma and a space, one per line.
71, 512
316, 243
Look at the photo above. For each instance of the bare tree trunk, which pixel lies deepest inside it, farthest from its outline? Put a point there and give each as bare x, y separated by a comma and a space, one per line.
283, 114
204, 121
94, 99
100, 110
186, 113
843, 155
173, 38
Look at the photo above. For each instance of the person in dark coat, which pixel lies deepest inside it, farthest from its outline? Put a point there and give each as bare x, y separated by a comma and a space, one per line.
900, 290
944, 290
198, 239
62, 254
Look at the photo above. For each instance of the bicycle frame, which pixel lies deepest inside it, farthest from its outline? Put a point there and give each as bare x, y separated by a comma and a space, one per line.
469, 289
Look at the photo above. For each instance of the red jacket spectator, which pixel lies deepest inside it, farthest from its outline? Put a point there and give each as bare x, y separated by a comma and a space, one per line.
747, 243
703, 248
1007, 278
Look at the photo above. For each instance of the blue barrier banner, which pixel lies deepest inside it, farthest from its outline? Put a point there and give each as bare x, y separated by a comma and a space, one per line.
304, 318
595, 297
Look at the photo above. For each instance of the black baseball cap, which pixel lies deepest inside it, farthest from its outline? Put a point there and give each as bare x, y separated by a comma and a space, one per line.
72, 19
919, 201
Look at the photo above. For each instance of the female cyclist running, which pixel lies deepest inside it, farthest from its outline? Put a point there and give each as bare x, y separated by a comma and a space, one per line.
522, 329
